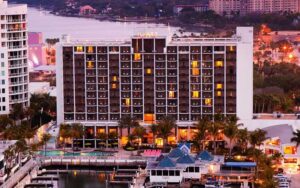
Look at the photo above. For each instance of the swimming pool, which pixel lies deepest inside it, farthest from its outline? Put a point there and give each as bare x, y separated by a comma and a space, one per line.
63, 153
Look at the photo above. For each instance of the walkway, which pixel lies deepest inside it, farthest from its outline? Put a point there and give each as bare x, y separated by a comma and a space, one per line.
19, 175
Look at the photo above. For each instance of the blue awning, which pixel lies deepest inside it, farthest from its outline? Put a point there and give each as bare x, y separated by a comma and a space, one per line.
176, 153
240, 164
166, 162
205, 156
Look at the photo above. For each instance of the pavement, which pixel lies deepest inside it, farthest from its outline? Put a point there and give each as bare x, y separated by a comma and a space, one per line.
295, 181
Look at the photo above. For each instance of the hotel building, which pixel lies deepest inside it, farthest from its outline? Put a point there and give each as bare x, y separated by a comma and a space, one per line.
13, 56
150, 76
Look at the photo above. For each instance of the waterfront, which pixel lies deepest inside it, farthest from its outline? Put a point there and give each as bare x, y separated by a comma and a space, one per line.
53, 26
85, 180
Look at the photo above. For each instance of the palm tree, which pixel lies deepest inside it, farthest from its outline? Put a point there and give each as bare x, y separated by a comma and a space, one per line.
214, 131
103, 137
200, 135
45, 138
17, 112
231, 131
76, 132
296, 137
165, 127
139, 132
5, 122
154, 131
257, 137
242, 139
21, 148
65, 132
127, 122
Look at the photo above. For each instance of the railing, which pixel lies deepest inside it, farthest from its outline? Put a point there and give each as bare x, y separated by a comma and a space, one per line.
13, 180
16, 57
16, 38
16, 20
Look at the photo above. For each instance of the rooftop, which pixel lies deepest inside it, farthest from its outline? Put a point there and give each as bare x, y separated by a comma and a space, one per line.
283, 132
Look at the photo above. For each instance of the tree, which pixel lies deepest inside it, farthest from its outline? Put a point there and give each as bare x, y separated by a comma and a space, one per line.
231, 131
20, 148
17, 112
165, 127
5, 122
77, 132
139, 132
65, 132
242, 139
201, 127
45, 138
127, 122
214, 131
257, 137
296, 137
154, 131
103, 137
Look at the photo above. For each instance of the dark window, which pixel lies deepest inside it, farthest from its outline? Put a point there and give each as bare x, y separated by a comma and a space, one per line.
177, 173
171, 173
159, 172
165, 172
197, 169
153, 172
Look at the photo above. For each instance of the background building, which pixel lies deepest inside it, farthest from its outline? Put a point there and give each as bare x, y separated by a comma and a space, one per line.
242, 7
149, 77
13, 56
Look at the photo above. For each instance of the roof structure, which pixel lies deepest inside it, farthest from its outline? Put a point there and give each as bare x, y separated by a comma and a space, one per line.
186, 159
176, 153
205, 156
161, 157
283, 132
166, 162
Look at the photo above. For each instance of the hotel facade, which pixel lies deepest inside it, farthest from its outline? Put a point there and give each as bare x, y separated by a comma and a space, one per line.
13, 56
149, 77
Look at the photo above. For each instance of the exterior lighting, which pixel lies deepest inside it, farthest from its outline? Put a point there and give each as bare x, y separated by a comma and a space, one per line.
195, 64
114, 78
148, 71
291, 56
219, 93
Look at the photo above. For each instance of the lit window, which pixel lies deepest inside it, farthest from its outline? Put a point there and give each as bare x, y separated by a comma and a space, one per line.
90, 49
137, 56
219, 63
219, 93
114, 78
195, 94
90, 64
207, 102
195, 64
113, 86
149, 118
127, 102
171, 94
231, 48
195, 71
148, 71
289, 150
79, 49
219, 86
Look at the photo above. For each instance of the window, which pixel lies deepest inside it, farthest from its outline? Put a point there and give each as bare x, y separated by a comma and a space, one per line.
2, 64
171, 173
127, 102
3, 108
197, 169
219, 86
195, 94
3, 90
114, 78
90, 49
177, 173
153, 172
79, 48
2, 55
3, 82
113, 86
195, 64
219, 93
137, 56
171, 94
90, 64
207, 102
195, 72
3, 99
148, 71
2, 73
165, 173
159, 172
219, 63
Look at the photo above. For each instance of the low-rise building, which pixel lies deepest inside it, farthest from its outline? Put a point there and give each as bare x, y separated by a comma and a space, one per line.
6, 163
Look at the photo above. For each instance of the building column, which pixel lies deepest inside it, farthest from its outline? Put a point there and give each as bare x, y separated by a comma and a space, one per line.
95, 142
106, 132
189, 133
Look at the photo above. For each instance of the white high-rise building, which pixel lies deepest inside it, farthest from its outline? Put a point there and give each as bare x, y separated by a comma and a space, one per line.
14, 75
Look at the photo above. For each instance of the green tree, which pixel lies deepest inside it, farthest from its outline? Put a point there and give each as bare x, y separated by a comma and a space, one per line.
139, 132
257, 137
243, 139
65, 132
77, 132
127, 122
296, 137
5, 122
45, 138
154, 131
165, 127
200, 136
231, 131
